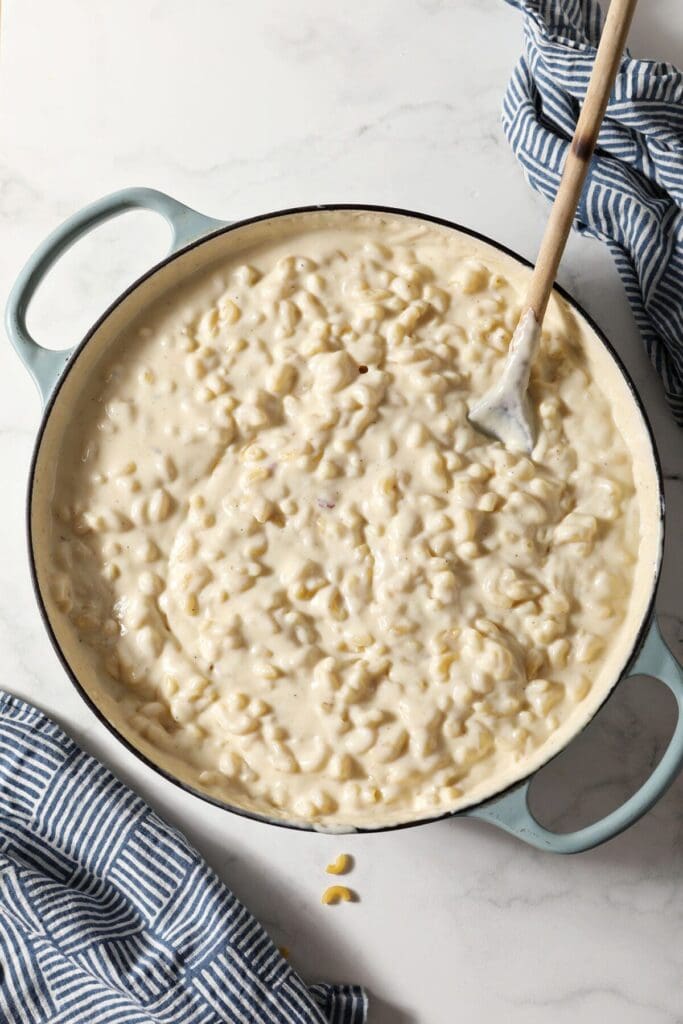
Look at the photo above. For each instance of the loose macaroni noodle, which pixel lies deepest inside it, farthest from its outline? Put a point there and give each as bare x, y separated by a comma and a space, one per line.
338, 894
341, 865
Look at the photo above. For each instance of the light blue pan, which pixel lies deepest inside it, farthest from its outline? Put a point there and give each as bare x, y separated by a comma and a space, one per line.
649, 656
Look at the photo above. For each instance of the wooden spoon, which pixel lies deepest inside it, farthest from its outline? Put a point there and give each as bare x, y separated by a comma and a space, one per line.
504, 411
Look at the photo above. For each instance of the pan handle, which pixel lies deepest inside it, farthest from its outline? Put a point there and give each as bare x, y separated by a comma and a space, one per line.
511, 813
46, 365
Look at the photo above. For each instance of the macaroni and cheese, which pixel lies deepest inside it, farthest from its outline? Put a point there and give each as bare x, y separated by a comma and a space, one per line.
296, 568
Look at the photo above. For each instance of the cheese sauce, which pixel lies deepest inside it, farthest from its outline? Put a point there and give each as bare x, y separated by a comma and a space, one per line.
295, 566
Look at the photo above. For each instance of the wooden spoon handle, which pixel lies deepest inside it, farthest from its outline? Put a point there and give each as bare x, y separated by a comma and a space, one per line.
607, 61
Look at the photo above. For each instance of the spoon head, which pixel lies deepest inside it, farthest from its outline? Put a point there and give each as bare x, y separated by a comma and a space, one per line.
507, 417
504, 411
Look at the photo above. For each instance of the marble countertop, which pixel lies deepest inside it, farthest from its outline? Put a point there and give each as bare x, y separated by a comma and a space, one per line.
238, 108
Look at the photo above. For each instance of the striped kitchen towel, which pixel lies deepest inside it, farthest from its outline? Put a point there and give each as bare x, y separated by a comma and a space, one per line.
633, 198
107, 914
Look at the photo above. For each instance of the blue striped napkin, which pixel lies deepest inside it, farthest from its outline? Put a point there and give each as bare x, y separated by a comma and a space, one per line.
107, 914
633, 199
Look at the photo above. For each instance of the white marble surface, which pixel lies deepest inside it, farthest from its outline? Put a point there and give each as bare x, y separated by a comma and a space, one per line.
242, 107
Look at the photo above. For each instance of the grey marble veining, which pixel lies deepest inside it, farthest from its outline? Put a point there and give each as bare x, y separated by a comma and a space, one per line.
238, 108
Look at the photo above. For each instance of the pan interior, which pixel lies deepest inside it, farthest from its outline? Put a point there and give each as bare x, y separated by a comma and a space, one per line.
162, 287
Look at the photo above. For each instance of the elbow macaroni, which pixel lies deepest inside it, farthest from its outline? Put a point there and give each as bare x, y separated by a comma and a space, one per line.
341, 865
296, 566
338, 894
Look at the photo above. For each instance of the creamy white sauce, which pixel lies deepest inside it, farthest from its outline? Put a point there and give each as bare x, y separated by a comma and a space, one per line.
296, 567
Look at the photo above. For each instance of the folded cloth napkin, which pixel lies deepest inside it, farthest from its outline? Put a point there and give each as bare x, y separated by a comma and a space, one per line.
107, 914
633, 199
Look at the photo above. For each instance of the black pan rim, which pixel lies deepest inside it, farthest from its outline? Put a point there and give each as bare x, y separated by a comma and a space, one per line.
641, 633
